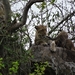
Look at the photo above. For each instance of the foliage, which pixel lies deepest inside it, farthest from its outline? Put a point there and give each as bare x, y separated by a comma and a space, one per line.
14, 55
52, 1
1, 63
40, 68
14, 68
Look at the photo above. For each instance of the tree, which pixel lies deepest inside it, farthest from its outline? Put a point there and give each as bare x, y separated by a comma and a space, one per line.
15, 34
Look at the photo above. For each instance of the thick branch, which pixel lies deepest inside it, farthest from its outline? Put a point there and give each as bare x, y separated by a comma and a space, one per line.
62, 61
24, 19
44, 53
7, 10
66, 18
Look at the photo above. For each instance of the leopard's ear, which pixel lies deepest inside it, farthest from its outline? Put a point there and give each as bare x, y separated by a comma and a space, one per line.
36, 27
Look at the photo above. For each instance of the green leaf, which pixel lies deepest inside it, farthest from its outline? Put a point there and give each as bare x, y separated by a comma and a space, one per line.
52, 1
43, 5
0, 73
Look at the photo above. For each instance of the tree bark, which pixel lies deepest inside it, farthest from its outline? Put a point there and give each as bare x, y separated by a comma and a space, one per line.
62, 61
7, 11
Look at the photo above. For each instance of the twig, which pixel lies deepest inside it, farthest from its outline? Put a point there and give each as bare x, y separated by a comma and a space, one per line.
66, 18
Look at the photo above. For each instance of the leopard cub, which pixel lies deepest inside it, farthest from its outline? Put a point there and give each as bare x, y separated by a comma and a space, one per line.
41, 37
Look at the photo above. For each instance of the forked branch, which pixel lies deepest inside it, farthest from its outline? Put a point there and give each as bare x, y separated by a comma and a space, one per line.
25, 13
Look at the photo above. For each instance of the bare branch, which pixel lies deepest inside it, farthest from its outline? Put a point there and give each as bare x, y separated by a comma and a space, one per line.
66, 18
24, 19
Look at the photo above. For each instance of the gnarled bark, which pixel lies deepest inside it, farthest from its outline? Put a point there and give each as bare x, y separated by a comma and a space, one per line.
62, 61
